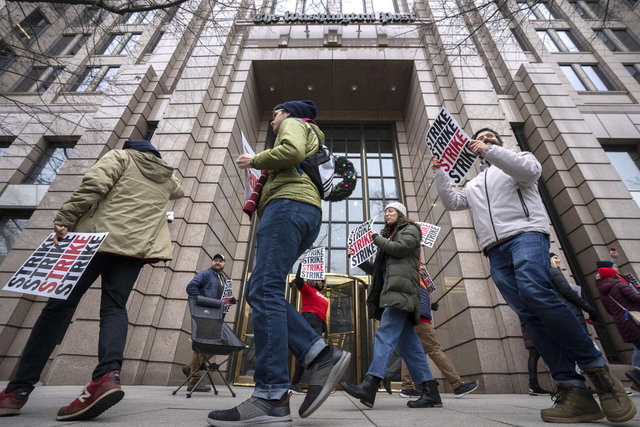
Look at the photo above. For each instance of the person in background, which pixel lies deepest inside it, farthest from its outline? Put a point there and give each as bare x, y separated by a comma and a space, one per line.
125, 193
618, 297
574, 301
208, 283
394, 299
314, 310
532, 366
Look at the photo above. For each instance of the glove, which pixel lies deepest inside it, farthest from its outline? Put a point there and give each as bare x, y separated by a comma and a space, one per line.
233, 300
434, 306
594, 316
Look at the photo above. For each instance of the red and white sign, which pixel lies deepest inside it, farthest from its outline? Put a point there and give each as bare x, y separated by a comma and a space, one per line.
53, 270
429, 233
251, 175
361, 243
447, 141
431, 287
227, 294
313, 264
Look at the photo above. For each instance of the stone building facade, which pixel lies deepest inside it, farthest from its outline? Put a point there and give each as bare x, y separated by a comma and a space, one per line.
558, 78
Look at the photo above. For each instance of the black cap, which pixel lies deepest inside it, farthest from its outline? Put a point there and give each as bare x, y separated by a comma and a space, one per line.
220, 256
604, 264
552, 254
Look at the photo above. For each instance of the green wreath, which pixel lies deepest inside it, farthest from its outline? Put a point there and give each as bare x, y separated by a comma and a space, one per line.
345, 169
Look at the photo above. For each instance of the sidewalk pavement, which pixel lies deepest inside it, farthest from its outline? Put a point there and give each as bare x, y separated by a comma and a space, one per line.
155, 406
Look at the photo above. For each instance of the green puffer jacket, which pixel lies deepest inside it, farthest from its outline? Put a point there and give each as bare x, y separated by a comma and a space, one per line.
402, 260
125, 194
296, 140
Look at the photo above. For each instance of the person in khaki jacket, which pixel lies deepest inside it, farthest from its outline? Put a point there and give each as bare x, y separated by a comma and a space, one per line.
125, 194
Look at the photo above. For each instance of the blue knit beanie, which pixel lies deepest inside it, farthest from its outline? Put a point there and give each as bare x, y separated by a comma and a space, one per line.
302, 109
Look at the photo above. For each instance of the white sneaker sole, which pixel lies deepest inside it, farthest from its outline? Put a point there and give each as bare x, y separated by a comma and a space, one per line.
262, 420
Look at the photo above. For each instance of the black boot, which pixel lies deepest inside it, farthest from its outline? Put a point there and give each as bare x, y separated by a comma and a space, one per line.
366, 391
430, 397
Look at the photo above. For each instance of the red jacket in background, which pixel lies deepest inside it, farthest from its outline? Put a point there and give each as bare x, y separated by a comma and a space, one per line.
612, 287
314, 302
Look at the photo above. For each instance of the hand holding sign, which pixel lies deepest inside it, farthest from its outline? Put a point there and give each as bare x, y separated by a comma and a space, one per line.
53, 269
313, 264
360, 243
429, 233
449, 144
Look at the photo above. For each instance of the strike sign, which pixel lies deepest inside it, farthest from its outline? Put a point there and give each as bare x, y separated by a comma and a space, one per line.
431, 287
53, 270
449, 143
313, 264
429, 233
361, 243
251, 175
227, 295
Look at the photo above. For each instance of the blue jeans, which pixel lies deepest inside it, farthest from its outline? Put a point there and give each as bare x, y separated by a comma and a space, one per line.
520, 270
396, 330
287, 228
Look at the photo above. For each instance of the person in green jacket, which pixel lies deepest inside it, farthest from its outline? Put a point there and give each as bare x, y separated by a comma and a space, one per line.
290, 216
125, 194
394, 299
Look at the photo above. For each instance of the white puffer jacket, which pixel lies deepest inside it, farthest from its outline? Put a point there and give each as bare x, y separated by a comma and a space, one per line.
504, 198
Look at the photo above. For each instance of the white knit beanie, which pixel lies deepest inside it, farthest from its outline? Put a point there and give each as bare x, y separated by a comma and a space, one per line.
397, 206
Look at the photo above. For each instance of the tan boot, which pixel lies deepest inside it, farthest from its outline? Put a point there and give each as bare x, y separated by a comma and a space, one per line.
572, 405
615, 402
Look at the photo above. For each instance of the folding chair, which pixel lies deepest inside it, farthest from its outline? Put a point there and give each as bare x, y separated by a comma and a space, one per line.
210, 336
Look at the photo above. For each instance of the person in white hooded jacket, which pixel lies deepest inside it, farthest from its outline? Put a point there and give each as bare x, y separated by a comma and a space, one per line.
513, 232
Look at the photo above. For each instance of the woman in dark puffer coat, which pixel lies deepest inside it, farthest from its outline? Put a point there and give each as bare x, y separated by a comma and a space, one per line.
615, 292
394, 299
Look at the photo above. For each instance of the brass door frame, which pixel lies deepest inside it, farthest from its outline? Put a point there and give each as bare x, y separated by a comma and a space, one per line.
332, 280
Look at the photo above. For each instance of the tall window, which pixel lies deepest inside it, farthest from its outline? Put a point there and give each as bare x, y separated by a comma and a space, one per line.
119, 44
4, 146
618, 40
559, 40
11, 225
371, 149
138, 17
94, 79
594, 9
37, 79
634, 70
32, 26
534, 10
6, 56
588, 77
90, 16
67, 44
49, 163
626, 161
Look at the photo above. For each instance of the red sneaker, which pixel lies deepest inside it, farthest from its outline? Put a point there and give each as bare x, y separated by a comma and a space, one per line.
96, 398
11, 403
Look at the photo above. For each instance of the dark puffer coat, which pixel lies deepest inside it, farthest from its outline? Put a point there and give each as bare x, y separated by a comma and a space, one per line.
610, 288
401, 255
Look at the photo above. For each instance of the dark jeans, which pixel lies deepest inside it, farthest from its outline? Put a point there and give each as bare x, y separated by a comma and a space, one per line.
118, 274
287, 228
520, 269
320, 327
